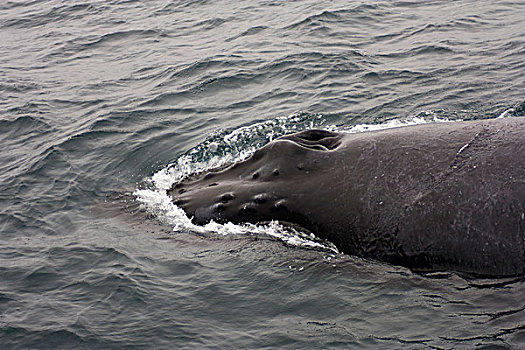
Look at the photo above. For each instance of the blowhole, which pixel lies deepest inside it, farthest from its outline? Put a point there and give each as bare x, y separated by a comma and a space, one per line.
315, 135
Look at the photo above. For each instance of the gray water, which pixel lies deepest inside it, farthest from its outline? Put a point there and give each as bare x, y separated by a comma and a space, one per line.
96, 97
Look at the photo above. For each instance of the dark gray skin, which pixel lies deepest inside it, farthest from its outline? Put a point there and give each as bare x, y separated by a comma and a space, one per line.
442, 196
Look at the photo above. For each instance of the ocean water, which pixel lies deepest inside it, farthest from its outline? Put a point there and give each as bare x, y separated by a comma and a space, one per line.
103, 104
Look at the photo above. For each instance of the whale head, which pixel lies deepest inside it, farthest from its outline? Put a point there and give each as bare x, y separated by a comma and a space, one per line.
281, 181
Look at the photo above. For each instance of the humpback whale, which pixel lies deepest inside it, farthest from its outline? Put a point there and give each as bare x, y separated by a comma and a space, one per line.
431, 197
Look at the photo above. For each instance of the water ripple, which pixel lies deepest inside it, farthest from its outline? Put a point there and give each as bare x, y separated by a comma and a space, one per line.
99, 95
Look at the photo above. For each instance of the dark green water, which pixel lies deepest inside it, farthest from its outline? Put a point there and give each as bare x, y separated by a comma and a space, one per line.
98, 96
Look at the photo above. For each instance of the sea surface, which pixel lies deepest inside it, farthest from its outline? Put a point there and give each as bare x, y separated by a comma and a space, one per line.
104, 104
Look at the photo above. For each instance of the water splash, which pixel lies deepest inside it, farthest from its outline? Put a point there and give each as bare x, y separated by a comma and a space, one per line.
228, 146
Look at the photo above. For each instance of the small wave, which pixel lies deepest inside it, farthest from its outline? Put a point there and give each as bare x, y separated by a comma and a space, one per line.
390, 74
517, 111
317, 18
35, 16
18, 86
226, 147
24, 125
421, 50
251, 31
211, 23
33, 337
361, 12
74, 49
133, 34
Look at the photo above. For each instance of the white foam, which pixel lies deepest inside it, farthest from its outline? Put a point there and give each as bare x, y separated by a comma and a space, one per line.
506, 112
397, 123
